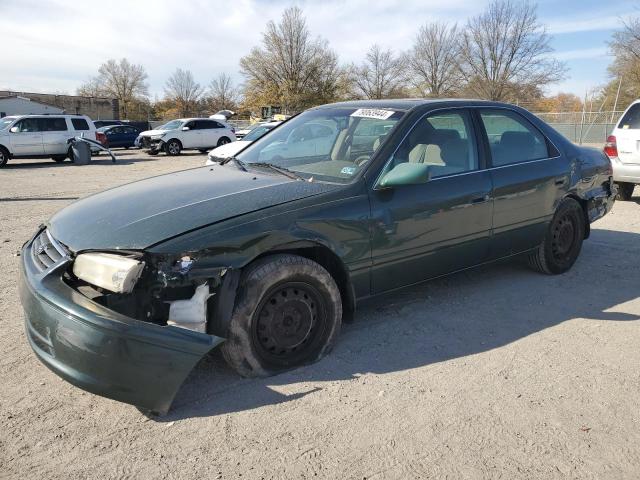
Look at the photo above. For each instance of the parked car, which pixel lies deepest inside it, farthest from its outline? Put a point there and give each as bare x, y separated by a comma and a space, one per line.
242, 132
106, 123
623, 148
122, 136
186, 133
308, 140
42, 136
230, 149
264, 258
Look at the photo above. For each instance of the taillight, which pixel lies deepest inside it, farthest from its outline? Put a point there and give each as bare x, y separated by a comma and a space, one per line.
101, 137
611, 147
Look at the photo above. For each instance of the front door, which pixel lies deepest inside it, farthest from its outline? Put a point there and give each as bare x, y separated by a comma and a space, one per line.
26, 137
425, 230
529, 177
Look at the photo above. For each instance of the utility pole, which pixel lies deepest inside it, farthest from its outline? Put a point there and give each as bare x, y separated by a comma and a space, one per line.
615, 104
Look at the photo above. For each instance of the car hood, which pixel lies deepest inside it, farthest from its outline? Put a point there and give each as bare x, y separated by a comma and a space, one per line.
229, 149
144, 213
148, 133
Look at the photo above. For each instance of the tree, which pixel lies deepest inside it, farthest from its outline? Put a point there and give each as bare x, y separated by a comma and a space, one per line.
122, 80
183, 91
505, 46
290, 69
223, 95
381, 75
561, 102
434, 59
625, 68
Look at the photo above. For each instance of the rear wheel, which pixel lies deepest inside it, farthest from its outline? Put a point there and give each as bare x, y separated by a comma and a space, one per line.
173, 147
625, 191
223, 141
288, 313
562, 243
4, 156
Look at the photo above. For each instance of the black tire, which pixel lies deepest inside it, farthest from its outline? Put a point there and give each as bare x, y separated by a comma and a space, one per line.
59, 158
287, 313
223, 141
562, 243
173, 147
203, 150
625, 191
153, 152
70, 154
4, 156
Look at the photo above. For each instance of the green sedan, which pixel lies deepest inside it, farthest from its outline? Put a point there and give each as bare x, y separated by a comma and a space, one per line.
265, 254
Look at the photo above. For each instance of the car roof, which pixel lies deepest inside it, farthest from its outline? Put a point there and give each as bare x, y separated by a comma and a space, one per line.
410, 103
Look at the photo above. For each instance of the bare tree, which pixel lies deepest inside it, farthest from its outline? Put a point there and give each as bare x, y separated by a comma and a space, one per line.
290, 68
183, 91
434, 59
91, 88
223, 94
381, 75
624, 71
122, 80
504, 49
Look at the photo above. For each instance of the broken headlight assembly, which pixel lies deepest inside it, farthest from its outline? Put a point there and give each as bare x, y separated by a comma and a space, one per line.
115, 273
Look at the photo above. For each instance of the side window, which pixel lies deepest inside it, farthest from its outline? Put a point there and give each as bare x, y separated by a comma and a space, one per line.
444, 141
28, 125
130, 130
215, 125
192, 125
116, 130
79, 124
53, 124
512, 138
631, 118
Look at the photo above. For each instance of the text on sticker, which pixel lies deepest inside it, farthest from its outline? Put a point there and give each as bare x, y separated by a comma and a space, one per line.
373, 113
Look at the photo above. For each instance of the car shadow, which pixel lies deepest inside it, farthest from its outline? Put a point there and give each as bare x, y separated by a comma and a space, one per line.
452, 317
123, 157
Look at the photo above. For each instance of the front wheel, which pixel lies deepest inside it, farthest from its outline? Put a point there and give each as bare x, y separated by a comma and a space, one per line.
625, 191
4, 157
173, 147
562, 243
288, 313
223, 141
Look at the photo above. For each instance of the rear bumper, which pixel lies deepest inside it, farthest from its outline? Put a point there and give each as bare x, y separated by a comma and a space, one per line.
100, 350
600, 201
624, 172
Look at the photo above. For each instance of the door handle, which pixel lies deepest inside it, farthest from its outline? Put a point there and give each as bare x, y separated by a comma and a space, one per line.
484, 198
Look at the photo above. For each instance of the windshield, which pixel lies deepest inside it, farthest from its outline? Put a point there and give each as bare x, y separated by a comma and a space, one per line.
5, 122
256, 133
172, 125
329, 144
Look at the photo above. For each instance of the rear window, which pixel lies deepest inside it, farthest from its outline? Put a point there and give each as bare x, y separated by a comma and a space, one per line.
80, 124
53, 125
631, 119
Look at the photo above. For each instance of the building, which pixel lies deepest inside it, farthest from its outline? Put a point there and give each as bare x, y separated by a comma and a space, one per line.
96, 108
16, 105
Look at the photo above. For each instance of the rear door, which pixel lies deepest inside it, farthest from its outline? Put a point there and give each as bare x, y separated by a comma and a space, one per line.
529, 177
27, 137
628, 136
54, 135
211, 132
115, 137
129, 136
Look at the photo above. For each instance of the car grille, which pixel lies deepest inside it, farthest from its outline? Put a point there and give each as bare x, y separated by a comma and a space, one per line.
46, 251
145, 142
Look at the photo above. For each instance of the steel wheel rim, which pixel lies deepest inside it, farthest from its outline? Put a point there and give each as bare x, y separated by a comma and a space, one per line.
289, 323
564, 233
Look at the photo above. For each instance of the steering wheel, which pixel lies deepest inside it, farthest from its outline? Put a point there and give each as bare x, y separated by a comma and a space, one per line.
361, 160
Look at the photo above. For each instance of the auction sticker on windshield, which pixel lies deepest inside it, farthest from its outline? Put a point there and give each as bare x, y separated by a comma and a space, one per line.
372, 113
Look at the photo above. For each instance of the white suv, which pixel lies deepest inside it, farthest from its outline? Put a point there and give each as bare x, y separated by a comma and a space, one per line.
623, 148
42, 136
186, 133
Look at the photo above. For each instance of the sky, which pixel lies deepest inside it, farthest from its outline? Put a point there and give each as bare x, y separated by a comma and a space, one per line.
52, 46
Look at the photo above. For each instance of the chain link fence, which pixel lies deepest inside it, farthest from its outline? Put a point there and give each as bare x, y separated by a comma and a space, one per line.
582, 127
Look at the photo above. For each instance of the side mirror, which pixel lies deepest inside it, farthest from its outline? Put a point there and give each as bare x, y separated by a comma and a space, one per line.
405, 174
185, 129
14, 130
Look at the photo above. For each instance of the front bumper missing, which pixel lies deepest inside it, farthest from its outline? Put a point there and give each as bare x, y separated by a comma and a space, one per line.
100, 350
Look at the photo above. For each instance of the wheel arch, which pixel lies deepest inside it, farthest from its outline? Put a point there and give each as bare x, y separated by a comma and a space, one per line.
585, 211
175, 139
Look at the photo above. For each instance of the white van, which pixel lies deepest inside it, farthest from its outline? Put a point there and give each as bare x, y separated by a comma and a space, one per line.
623, 148
42, 136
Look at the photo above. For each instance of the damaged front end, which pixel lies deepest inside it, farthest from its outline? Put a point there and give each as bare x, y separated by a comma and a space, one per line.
126, 325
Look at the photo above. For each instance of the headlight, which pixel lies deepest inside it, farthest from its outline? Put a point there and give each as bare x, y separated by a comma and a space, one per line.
157, 137
113, 272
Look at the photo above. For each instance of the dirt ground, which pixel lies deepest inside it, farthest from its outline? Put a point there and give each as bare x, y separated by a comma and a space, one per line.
498, 372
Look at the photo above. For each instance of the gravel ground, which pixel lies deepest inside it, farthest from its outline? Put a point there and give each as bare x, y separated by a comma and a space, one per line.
498, 372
